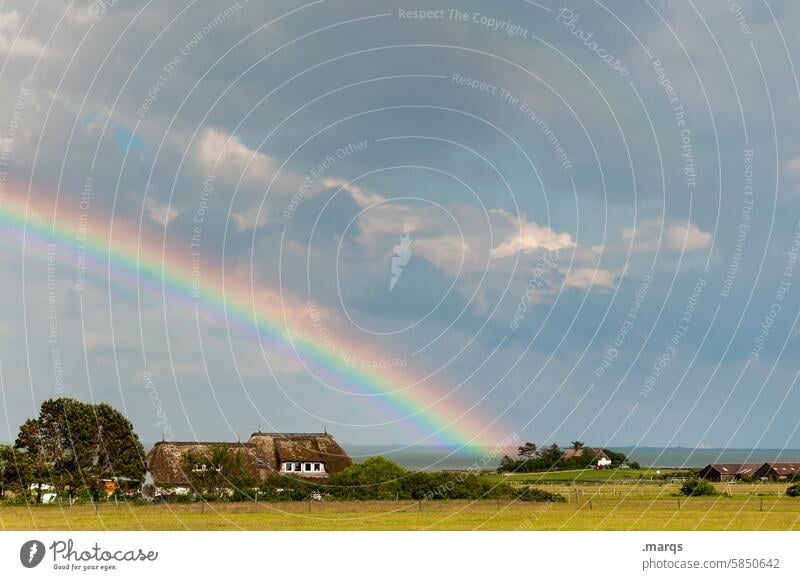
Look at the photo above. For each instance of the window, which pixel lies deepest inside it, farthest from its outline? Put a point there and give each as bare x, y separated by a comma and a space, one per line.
316, 467
287, 466
298, 467
308, 467
261, 462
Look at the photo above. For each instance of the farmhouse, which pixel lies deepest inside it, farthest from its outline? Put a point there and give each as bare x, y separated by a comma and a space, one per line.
728, 471
298, 454
778, 471
597, 454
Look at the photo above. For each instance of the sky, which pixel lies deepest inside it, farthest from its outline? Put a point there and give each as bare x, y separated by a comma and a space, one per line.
409, 223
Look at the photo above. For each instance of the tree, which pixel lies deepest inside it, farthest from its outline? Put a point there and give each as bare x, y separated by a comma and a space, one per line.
551, 456
793, 490
577, 445
220, 472
73, 444
375, 478
507, 464
527, 451
6, 468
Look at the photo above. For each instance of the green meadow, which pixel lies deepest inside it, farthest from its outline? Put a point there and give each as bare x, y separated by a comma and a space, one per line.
638, 508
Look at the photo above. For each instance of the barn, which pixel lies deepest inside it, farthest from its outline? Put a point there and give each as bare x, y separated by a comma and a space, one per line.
778, 471
313, 455
728, 471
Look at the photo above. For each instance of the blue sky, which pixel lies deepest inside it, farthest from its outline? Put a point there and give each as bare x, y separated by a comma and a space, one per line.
626, 174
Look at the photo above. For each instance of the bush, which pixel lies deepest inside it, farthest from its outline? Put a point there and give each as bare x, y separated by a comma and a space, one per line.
793, 490
380, 479
534, 494
698, 487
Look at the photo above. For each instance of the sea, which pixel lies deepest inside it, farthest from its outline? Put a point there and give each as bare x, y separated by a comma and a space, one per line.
438, 458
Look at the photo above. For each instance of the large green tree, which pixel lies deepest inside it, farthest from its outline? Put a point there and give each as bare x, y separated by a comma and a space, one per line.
219, 470
74, 445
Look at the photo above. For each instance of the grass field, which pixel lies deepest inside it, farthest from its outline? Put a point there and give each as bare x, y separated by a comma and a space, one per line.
581, 475
619, 512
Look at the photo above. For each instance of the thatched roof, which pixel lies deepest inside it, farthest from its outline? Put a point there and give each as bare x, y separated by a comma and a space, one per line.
281, 447
596, 453
265, 453
164, 459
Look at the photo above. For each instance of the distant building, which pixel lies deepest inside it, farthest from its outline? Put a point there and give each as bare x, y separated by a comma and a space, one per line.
728, 471
778, 471
603, 462
597, 454
722, 472
315, 455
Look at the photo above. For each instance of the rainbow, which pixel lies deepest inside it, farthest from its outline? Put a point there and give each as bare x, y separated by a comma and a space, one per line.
145, 261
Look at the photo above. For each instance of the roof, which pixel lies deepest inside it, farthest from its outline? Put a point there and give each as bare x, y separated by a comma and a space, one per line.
734, 468
572, 452
164, 459
264, 451
281, 447
783, 467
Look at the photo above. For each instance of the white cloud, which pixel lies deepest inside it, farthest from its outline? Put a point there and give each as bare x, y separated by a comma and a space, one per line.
161, 213
361, 197
687, 237
590, 277
650, 234
529, 237
11, 42
228, 158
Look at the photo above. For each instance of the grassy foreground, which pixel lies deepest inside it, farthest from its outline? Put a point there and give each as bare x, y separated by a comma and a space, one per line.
605, 513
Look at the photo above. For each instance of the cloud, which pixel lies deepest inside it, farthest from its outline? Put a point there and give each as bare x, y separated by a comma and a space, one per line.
590, 277
651, 234
11, 42
224, 155
361, 197
529, 237
161, 213
687, 237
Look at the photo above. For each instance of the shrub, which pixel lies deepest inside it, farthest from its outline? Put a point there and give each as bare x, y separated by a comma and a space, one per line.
793, 490
534, 494
698, 487
380, 479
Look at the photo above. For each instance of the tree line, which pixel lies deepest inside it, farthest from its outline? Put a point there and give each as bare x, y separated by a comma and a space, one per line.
531, 458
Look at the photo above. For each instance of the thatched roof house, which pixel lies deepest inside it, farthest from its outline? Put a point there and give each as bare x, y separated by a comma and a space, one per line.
596, 454
297, 454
